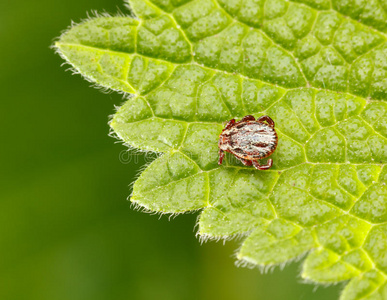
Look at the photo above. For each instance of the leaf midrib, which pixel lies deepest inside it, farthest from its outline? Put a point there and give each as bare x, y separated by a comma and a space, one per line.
59, 44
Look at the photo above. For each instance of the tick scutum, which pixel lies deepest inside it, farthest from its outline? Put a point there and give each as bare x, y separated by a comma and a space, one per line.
256, 140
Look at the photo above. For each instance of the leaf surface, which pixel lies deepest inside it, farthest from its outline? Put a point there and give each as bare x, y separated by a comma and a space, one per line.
313, 68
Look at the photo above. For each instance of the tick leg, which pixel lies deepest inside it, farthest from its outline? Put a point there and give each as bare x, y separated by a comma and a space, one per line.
245, 161
264, 167
247, 118
221, 156
267, 119
229, 124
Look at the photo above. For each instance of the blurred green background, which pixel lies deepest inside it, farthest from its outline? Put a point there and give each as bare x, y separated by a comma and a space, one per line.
66, 229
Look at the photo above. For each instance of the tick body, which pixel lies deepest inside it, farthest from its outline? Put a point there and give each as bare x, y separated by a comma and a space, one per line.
249, 140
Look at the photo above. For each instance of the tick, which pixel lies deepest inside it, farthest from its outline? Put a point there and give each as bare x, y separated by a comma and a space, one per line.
249, 140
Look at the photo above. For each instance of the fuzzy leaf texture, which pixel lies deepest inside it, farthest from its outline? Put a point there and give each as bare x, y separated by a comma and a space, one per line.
318, 68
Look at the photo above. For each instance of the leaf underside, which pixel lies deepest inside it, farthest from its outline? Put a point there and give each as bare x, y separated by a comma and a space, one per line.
318, 68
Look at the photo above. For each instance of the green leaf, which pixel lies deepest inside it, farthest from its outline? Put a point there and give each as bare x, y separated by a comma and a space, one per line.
319, 71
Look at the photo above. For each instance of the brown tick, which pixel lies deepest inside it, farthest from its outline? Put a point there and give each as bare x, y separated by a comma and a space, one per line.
249, 140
